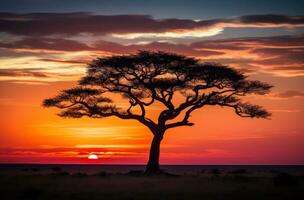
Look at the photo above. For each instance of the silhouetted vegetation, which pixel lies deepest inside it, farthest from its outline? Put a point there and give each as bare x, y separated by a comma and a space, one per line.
136, 185
150, 78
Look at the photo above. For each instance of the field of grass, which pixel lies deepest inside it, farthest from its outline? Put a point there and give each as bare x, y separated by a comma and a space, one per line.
63, 185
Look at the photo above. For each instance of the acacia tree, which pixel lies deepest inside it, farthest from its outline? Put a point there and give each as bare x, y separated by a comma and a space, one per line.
179, 84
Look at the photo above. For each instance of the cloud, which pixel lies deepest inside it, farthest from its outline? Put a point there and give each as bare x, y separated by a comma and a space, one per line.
272, 20
71, 61
55, 44
22, 72
290, 94
71, 151
57, 59
280, 55
290, 54
132, 26
37, 75
41, 24
284, 41
153, 46
286, 110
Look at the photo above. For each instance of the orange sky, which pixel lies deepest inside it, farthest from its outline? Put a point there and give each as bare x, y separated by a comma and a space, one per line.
31, 133
35, 68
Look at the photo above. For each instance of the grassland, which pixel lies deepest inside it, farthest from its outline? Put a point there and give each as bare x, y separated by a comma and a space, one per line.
62, 185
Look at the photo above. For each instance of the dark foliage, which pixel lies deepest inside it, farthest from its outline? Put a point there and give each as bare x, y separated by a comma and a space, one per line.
146, 78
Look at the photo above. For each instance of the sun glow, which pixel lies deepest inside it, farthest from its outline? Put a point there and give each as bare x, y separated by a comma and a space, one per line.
92, 157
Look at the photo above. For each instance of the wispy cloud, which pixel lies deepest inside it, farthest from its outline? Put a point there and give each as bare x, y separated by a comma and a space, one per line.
80, 151
22, 72
55, 44
74, 151
42, 24
286, 110
289, 94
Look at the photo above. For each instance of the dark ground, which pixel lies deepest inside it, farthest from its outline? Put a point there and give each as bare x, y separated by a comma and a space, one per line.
211, 184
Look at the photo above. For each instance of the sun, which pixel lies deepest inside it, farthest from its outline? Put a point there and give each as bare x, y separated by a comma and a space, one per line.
93, 157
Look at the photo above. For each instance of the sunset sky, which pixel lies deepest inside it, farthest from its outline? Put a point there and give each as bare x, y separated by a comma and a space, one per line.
45, 46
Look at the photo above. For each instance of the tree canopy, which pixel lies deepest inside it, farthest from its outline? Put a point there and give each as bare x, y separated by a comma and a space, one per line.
147, 78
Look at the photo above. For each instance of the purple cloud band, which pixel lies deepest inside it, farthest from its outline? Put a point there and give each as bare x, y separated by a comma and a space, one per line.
271, 54
42, 24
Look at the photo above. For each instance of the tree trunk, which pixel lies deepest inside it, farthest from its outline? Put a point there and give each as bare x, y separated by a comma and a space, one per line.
153, 163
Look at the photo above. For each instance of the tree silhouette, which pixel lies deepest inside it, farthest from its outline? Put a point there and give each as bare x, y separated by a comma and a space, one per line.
179, 84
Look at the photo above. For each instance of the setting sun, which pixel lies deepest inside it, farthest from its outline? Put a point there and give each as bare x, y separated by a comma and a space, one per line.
92, 157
